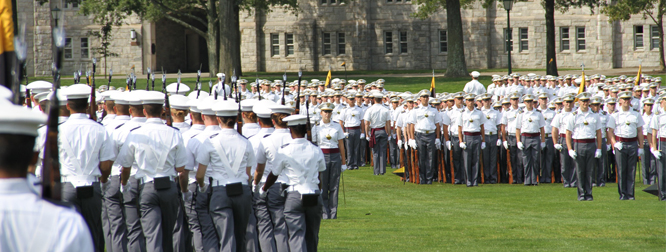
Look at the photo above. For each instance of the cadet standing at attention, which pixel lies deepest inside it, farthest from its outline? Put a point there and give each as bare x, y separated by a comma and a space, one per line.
378, 125
625, 130
470, 126
328, 135
531, 139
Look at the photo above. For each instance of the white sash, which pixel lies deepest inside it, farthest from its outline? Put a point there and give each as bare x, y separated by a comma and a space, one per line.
238, 158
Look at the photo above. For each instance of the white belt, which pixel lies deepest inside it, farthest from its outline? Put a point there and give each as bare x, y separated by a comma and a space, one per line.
425, 131
491, 133
80, 179
150, 179
303, 189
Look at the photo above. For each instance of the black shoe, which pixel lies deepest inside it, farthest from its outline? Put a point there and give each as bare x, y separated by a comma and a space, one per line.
589, 199
581, 199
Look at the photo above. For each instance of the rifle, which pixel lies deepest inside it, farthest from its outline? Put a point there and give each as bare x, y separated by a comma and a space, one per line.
308, 126
284, 84
239, 117
256, 81
93, 102
21, 53
199, 81
167, 106
152, 80
110, 74
178, 86
224, 90
298, 94
51, 186
147, 79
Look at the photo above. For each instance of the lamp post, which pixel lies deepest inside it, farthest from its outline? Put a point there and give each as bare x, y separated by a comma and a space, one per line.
508, 4
55, 13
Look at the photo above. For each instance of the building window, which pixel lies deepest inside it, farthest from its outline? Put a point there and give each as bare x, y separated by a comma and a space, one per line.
524, 42
275, 44
388, 42
71, 5
508, 42
638, 37
654, 37
289, 41
85, 48
403, 42
327, 43
328, 1
564, 38
580, 38
443, 41
69, 50
341, 43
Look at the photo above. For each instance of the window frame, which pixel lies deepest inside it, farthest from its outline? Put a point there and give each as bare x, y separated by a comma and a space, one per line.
638, 40
388, 42
342, 43
69, 46
275, 44
326, 46
444, 42
567, 39
580, 39
522, 40
654, 37
403, 45
289, 46
84, 48
508, 40
67, 5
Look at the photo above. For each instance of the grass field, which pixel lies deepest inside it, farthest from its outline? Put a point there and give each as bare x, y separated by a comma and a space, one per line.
382, 214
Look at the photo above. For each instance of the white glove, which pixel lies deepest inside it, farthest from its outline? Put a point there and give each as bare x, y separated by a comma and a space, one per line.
618, 145
572, 154
412, 143
438, 143
187, 196
656, 153
262, 194
506, 145
640, 151
499, 142
105, 185
558, 147
399, 144
126, 188
608, 147
362, 135
367, 139
406, 146
520, 146
343, 167
483, 145
448, 145
389, 137
463, 145
203, 189
543, 145
597, 153
346, 134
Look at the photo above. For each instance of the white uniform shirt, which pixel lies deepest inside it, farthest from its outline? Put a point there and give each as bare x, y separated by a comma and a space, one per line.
218, 87
326, 135
509, 119
256, 144
300, 161
28, 223
90, 144
108, 119
193, 148
352, 116
454, 115
558, 121
647, 118
530, 121
147, 143
471, 120
116, 123
548, 116
659, 123
445, 119
191, 162
493, 118
582, 125
119, 137
425, 119
603, 117
338, 112
232, 143
377, 115
625, 123
181, 126
268, 149
250, 129
474, 87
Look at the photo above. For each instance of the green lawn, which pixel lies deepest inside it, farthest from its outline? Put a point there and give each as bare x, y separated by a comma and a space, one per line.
382, 214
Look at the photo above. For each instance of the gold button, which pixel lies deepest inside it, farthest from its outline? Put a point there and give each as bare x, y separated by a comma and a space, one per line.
328, 136
426, 115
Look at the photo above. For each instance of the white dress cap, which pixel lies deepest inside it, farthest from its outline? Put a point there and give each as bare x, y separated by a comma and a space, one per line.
295, 120
263, 108
225, 108
40, 86
77, 91
282, 109
18, 120
152, 97
179, 102
180, 88
247, 105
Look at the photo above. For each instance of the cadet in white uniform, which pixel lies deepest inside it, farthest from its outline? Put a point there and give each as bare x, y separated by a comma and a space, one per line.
474, 86
529, 126
583, 136
625, 130
32, 224
301, 162
548, 153
250, 125
454, 113
179, 110
470, 125
157, 175
491, 127
567, 164
85, 158
378, 125
328, 135
509, 120
658, 128
599, 176
424, 127
352, 120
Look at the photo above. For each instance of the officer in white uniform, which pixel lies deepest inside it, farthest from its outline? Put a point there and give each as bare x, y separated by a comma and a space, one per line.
470, 125
424, 127
529, 126
301, 162
474, 86
229, 156
491, 127
510, 140
454, 113
328, 135
568, 167
86, 156
583, 136
352, 120
658, 129
548, 153
625, 130
157, 175
599, 175
32, 224
378, 125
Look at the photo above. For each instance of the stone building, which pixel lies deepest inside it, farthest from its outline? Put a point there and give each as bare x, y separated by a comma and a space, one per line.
367, 35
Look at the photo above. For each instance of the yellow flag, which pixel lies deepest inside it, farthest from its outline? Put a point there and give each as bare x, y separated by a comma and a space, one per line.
638, 76
581, 88
328, 78
432, 85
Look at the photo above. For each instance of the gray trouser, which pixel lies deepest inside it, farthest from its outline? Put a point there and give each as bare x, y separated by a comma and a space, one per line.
648, 165
264, 223
362, 148
330, 183
160, 217
516, 159
251, 241
379, 152
626, 169
353, 148
427, 156
136, 242
230, 216
471, 159
276, 201
113, 217
200, 222
661, 171
547, 161
458, 174
303, 223
490, 159
90, 209
599, 176
585, 165
568, 165
394, 155
532, 146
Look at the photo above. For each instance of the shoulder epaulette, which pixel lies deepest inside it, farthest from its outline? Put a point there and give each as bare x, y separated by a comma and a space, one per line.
266, 135
174, 128
284, 145
604, 112
213, 135
195, 135
135, 128
575, 112
120, 125
520, 111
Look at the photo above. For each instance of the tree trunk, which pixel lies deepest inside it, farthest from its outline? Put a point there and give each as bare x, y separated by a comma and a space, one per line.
212, 40
455, 59
551, 59
228, 16
660, 26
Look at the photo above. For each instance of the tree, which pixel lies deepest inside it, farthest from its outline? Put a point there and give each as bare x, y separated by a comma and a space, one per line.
621, 10
104, 35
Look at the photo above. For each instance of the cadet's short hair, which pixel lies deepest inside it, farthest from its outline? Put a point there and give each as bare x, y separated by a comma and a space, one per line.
154, 110
299, 130
16, 152
78, 105
266, 121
